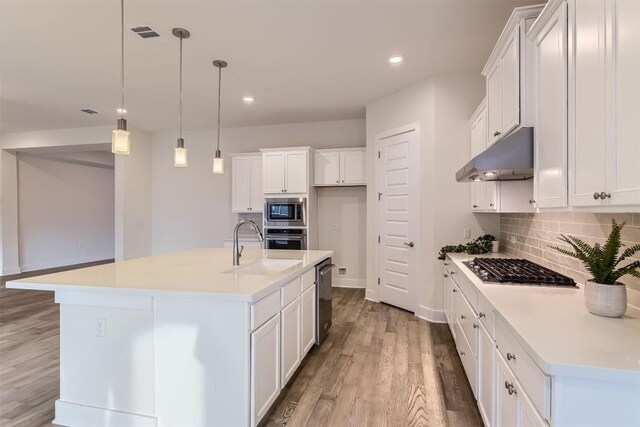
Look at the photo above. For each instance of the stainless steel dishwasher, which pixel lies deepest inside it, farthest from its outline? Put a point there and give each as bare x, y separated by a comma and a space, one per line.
323, 299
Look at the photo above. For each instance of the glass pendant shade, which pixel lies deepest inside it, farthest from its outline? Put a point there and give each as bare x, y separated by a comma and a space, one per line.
218, 165
120, 139
180, 157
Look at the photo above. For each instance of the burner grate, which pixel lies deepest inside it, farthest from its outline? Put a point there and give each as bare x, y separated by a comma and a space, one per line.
505, 270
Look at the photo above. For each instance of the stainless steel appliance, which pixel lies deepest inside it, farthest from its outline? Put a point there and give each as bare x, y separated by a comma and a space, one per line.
285, 238
323, 299
512, 271
285, 212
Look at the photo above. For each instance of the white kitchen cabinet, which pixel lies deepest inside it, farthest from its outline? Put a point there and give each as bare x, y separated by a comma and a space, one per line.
285, 171
308, 319
550, 148
484, 195
246, 184
291, 344
509, 78
265, 368
506, 397
340, 167
486, 354
604, 106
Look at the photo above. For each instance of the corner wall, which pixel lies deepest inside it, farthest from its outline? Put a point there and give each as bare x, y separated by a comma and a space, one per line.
442, 105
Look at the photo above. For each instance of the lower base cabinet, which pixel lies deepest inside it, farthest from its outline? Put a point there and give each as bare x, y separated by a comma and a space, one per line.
513, 407
265, 367
486, 357
291, 348
308, 319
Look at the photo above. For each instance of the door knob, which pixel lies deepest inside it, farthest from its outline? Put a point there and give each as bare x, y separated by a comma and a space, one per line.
410, 244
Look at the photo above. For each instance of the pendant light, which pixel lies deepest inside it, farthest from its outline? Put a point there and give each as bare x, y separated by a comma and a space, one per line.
180, 153
120, 137
218, 161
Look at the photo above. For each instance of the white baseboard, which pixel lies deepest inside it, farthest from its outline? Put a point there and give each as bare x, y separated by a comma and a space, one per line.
349, 283
9, 271
64, 262
72, 414
431, 315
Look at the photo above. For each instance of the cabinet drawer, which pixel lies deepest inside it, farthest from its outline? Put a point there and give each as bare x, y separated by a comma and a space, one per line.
308, 279
465, 285
290, 291
486, 315
468, 362
468, 324
535, 383
264, 309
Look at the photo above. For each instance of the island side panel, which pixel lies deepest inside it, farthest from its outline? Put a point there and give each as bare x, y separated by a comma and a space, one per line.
203, 351
107, 359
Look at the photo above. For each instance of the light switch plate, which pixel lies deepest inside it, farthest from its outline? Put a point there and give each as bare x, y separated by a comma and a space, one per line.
467, 233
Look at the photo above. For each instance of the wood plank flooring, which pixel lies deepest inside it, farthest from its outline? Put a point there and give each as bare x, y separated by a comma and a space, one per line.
380, 366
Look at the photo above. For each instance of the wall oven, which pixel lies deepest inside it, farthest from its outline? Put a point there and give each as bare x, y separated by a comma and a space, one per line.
286, 238
285, 212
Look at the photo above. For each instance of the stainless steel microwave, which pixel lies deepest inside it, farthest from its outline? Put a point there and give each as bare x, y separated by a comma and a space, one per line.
285, 212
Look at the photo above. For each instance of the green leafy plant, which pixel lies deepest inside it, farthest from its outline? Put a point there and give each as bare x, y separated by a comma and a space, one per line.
601, 261
479, 245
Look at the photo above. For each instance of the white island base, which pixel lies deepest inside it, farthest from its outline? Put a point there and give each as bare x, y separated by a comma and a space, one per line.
199, 354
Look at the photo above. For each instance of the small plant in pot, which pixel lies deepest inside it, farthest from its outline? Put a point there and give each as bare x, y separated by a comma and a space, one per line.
604, 295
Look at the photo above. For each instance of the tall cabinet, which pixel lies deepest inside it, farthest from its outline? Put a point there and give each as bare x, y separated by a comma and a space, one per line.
246, 183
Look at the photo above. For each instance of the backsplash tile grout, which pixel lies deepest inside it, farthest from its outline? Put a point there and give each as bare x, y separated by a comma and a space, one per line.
534, 233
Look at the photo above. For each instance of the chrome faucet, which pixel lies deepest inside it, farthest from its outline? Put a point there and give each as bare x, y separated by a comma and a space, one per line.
237, 253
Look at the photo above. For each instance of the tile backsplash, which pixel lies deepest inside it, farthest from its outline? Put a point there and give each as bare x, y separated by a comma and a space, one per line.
535, 232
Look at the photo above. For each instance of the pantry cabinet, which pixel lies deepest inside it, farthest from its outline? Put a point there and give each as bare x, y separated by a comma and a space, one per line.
604, 105
340, 167
246, 183
285, 171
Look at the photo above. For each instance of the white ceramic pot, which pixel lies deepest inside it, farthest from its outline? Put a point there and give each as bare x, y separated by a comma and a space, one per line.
606, 300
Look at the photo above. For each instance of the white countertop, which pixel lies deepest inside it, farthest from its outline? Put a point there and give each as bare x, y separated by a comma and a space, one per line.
563, 338
206, 272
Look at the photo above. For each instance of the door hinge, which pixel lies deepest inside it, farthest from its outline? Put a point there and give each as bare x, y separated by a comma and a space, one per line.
378, 239
378, 280
378, 154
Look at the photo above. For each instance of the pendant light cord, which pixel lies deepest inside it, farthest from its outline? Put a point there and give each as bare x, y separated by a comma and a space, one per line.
219, 90
180, 100
122, 58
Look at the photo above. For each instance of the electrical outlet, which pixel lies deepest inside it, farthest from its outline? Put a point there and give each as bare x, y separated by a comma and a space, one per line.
342, 271
513, 239
101, 328
467, 233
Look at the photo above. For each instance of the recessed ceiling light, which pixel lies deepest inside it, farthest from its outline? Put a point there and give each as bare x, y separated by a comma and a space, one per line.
396, 59
478, 179
247, 99
121, 111
490, 174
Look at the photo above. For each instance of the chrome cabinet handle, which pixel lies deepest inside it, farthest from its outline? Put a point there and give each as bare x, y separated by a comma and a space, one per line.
410, 244
475, 326
596, 195
475, 206
462, 317
604, 195
496, 133
511, 356
446, 275
510, 388
338, 181
446, 263
491, 204
531, 201
462, 353
454, 290
343, 181
481, 314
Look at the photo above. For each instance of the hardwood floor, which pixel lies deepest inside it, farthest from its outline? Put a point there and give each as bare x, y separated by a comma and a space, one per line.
380, 366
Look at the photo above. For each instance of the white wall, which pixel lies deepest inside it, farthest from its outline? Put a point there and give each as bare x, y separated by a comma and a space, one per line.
9, 263
65, 212
441, 105
191, 207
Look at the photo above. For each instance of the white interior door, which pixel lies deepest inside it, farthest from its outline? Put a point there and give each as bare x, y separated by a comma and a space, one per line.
398, 217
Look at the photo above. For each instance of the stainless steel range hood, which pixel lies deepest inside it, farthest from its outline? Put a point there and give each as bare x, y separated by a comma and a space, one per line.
509, 159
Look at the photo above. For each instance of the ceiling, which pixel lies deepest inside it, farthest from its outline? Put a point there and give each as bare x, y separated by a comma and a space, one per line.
301, 60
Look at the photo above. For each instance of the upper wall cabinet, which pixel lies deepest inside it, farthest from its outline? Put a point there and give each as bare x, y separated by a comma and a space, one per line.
340, 167
246, 183
484, 195
508, 72
550, 148
604, 103
285, 171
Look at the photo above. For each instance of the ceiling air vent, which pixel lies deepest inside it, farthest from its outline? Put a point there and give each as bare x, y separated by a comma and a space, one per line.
89, 111
146, 32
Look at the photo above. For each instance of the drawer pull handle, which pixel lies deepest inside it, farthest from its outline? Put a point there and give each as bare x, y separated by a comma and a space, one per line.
481, 314
475, 326
455, 290
510, 388
511, 356
446, 275
446, 263
462, 353
462, 316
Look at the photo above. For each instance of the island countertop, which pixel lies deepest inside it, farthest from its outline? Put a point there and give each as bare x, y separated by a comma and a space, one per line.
206, 272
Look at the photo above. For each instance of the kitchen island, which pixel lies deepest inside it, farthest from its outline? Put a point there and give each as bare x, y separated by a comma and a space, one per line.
181, 339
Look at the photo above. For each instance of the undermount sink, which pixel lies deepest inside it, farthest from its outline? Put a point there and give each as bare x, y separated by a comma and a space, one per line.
265, 266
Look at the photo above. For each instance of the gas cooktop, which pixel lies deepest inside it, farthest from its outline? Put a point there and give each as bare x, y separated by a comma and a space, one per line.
516, 271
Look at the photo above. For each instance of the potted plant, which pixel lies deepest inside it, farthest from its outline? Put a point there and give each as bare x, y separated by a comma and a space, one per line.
604, 295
